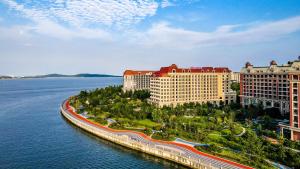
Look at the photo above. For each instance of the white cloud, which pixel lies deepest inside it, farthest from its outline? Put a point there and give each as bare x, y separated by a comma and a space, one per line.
226, 28
53, 29
164, 35
107, 12
28, 44
66, 19
166, 3
44, 24
15, 33
89, 12
83, 18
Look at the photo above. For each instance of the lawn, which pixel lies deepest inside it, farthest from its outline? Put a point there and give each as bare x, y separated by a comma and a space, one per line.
147, 123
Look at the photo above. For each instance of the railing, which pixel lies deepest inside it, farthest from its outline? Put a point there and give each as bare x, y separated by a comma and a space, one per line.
287, 126
180, 153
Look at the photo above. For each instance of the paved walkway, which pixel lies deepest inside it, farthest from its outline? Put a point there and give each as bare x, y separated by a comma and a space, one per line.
189, 143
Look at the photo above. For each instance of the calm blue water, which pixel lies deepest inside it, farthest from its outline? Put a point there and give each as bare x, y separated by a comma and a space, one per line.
33, 134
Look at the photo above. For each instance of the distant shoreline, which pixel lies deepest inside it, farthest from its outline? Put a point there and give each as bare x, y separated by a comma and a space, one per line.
86, 75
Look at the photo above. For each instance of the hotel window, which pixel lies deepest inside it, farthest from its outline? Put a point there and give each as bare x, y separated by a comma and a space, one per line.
295, 105
295, 91
295, 85
295, 112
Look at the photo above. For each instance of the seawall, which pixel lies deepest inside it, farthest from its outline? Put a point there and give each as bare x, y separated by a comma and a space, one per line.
176, 152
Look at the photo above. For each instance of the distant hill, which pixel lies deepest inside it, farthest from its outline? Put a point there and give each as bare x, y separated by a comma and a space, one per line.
5, 77
58, 75
77, 75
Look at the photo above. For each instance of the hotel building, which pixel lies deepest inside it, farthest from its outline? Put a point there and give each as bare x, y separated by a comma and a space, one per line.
274, 86
235, 77
136, 80
172, 85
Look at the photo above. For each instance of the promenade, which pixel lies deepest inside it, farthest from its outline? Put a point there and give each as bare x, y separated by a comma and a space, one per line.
174, 151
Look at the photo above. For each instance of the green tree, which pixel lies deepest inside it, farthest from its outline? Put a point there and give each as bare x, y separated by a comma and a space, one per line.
235, 86
157, 115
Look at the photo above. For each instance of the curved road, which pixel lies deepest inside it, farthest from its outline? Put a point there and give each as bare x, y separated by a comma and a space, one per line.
185, 150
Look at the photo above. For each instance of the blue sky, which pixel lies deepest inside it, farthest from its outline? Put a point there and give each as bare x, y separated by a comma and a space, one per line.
108, 36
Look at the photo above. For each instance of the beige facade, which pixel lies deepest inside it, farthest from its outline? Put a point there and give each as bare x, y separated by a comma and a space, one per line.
235, 77
172, 85
136, 80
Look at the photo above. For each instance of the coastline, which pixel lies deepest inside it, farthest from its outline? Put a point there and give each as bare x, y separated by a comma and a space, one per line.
176, 152
25, 78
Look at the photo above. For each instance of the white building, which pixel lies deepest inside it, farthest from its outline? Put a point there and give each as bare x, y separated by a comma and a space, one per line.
136, 80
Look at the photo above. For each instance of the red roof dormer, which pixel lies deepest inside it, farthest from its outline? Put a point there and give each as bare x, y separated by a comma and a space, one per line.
174, 69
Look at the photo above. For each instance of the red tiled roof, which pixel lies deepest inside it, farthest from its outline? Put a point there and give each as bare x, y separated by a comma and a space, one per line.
165, 70
222, 69
136, 72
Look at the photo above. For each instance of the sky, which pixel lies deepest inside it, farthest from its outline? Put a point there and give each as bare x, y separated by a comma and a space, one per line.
109, 36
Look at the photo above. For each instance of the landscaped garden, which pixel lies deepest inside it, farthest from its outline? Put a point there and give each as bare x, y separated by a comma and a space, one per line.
225, 130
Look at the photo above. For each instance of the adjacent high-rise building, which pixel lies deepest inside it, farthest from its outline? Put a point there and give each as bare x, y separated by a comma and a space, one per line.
294, 126
171, 86
136, 80
274, 86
